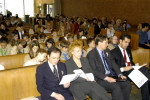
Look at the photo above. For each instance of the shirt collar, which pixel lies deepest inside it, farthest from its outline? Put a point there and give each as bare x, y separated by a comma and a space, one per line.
51, 66
99, 50
121, 48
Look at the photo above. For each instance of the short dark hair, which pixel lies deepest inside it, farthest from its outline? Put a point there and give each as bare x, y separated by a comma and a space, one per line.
3, 40
42, 36
145, 25
50, 40
53, 49
123, 36
23, 43
34, 37
64, 44
54, 30
100, 38
89, 40
19, 25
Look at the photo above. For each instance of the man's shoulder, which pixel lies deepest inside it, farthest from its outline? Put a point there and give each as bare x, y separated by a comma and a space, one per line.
115, 50
92, 52
42, 66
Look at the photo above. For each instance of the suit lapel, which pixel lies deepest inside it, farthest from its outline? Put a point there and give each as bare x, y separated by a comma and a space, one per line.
120, 55
60, 71
99, 60
49, 72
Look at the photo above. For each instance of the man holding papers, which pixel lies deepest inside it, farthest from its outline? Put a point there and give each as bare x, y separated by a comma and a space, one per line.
84, 85
48, 76
123, 57
105, 70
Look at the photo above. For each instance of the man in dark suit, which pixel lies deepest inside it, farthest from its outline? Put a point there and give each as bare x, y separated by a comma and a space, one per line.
105, 69
48, 76
20, 31
123, 57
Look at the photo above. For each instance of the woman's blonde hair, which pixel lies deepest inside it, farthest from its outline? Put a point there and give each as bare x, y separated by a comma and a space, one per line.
75, 43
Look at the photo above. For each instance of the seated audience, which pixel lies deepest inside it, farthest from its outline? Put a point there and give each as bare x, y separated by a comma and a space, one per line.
113, 42
49, 43
91, 44
70, 38
64, 50
48, 28
26, 38
33, 48
80, 35
39, 59
143, 41
34, 28
61, 31
20, 31
4, 47
123, 57
42, 38
21, 48
110, 30
48, 76
81, 87
55, 35
106, 70
118, 26
14, 39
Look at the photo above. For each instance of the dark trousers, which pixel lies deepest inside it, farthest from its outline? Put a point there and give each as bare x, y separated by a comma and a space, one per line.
120, 90
145, 89
92, 89
144, 46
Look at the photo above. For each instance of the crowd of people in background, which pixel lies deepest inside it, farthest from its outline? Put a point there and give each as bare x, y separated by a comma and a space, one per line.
68, 35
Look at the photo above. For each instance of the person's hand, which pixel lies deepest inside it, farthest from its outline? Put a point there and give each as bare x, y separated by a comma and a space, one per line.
127, 68
123, 77
148, 45
110, 79
66, 85
87, 79
58, 96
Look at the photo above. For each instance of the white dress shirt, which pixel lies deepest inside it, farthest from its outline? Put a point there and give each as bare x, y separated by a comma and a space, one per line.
127, 57
52, 69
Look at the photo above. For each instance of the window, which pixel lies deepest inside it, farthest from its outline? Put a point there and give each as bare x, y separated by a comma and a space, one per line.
20, 7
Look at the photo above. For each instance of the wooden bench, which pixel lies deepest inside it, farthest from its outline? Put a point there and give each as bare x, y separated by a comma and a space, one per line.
141, 56
18, 83
12, 61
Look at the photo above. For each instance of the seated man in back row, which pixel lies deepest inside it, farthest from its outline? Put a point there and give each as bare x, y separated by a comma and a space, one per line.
105, 69
123, 57
48, 76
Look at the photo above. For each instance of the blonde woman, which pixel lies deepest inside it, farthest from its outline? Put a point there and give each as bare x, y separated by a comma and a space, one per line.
81, 87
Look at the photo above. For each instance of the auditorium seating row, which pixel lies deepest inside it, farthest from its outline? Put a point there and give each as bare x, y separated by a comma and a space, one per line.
18, 83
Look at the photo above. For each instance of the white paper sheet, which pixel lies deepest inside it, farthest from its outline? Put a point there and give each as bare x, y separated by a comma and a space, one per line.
79, 71
1, 67
138, 78
90, 76
68, 78
138, 67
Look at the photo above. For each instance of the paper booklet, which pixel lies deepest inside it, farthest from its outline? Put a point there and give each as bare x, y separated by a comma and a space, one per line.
78, 73
138, 78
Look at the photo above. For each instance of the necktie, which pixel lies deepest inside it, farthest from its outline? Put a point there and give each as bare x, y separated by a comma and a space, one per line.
125, 58
55, 72
106, 65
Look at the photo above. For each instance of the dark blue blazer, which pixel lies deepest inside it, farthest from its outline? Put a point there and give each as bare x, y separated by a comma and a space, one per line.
47, 82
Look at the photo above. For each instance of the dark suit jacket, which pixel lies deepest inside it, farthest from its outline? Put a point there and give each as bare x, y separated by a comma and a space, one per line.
97, 64
47, 82
71, 65
119, 59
